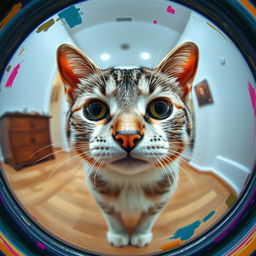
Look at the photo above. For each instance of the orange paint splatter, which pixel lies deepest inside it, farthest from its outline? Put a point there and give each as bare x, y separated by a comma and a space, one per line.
217, 30
249, 6
15, 9
170, 246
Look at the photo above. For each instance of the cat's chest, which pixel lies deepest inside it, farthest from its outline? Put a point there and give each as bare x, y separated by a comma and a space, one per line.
131, 194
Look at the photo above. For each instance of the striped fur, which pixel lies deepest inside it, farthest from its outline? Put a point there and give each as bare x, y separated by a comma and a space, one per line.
123, 179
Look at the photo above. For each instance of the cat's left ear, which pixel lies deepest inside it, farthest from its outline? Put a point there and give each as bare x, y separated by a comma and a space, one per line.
181, 63
73, 65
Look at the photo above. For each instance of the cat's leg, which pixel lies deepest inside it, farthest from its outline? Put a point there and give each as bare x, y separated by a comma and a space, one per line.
142, 234
117, 233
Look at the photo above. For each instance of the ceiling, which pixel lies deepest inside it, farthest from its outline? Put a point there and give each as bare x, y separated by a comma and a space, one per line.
123, 33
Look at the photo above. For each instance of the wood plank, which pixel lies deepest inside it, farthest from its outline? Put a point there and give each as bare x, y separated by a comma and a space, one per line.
64, 206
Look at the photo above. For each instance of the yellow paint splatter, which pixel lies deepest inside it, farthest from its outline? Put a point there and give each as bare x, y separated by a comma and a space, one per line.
21, 51
15, 9
45, 26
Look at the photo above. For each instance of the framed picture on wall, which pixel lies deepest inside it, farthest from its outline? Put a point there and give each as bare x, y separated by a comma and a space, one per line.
203, 93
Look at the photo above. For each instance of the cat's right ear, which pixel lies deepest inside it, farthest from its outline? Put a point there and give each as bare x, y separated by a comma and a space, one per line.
73, 65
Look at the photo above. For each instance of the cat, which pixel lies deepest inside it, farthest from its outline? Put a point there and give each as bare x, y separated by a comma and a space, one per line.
131, 126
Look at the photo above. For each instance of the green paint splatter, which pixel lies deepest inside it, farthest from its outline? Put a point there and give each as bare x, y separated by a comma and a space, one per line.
45, 26
231, 200
8, 68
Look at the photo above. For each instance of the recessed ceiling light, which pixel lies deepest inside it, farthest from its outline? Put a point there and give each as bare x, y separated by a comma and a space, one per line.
145, 55
105, 56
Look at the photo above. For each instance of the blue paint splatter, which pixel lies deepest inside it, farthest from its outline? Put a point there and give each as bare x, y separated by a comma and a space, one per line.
208, 216
72, 16
187, 232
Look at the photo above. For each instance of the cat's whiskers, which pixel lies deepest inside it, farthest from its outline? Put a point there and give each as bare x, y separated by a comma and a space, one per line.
49, 145
100, 165
182, 169
50, 154
163, 168
56, 168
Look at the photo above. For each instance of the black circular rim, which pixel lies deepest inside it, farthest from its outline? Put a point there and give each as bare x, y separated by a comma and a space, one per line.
237, 23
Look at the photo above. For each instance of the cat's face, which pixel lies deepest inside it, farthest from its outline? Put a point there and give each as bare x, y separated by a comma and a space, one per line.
129, 120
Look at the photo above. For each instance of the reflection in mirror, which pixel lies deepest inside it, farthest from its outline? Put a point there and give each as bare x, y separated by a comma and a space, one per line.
90, 134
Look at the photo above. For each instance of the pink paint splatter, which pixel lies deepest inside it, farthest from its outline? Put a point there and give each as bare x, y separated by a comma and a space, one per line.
34, 218
41, 245
155, 21
170, 10
12, 251
12, 76
252, 93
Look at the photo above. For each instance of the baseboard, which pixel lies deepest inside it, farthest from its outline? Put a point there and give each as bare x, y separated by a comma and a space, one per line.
228, 170
200, 167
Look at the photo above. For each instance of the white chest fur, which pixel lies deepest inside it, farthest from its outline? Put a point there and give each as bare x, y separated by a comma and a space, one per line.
131, 199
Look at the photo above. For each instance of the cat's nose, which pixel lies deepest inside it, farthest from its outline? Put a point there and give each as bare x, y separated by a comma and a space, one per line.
127, 139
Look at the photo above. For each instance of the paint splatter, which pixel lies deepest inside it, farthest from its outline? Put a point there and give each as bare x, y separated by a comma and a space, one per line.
15, 9
208, 216
217, 30
231, 200
155, 21
34, 218
71, 16
21, 51
170, 10
8, 68
41, 245
171, 246
187, 232
8, 247
44, 27
249, 7
252, 93
12, 76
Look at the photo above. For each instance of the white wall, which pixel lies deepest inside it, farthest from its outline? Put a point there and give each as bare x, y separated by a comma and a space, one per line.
32, 86
224, 129
31, 89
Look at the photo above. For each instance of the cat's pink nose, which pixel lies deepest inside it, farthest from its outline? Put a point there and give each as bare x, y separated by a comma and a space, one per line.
127, 139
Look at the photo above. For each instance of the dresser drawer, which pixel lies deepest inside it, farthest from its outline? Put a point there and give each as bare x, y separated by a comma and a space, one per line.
31, 154
26, 124
20, 139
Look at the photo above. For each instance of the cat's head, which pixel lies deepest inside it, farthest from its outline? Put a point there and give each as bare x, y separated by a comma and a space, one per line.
129, 120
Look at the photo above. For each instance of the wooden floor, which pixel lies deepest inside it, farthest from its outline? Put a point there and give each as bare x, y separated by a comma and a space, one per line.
55, 195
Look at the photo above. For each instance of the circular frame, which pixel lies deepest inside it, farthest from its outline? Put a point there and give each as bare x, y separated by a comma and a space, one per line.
239, 25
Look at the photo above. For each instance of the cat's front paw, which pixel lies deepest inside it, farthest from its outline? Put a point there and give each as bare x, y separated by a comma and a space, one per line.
140, 240
118, 240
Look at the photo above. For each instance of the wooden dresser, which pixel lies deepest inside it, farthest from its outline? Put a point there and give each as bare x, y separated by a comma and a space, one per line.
25, 139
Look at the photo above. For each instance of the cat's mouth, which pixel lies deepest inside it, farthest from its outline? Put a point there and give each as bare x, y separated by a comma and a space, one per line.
129, 162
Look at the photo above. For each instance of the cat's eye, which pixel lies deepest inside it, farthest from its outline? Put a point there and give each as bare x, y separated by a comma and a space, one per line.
96, 110
159, 109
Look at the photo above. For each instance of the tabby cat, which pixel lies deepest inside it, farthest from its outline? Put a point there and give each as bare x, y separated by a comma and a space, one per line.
131, 126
